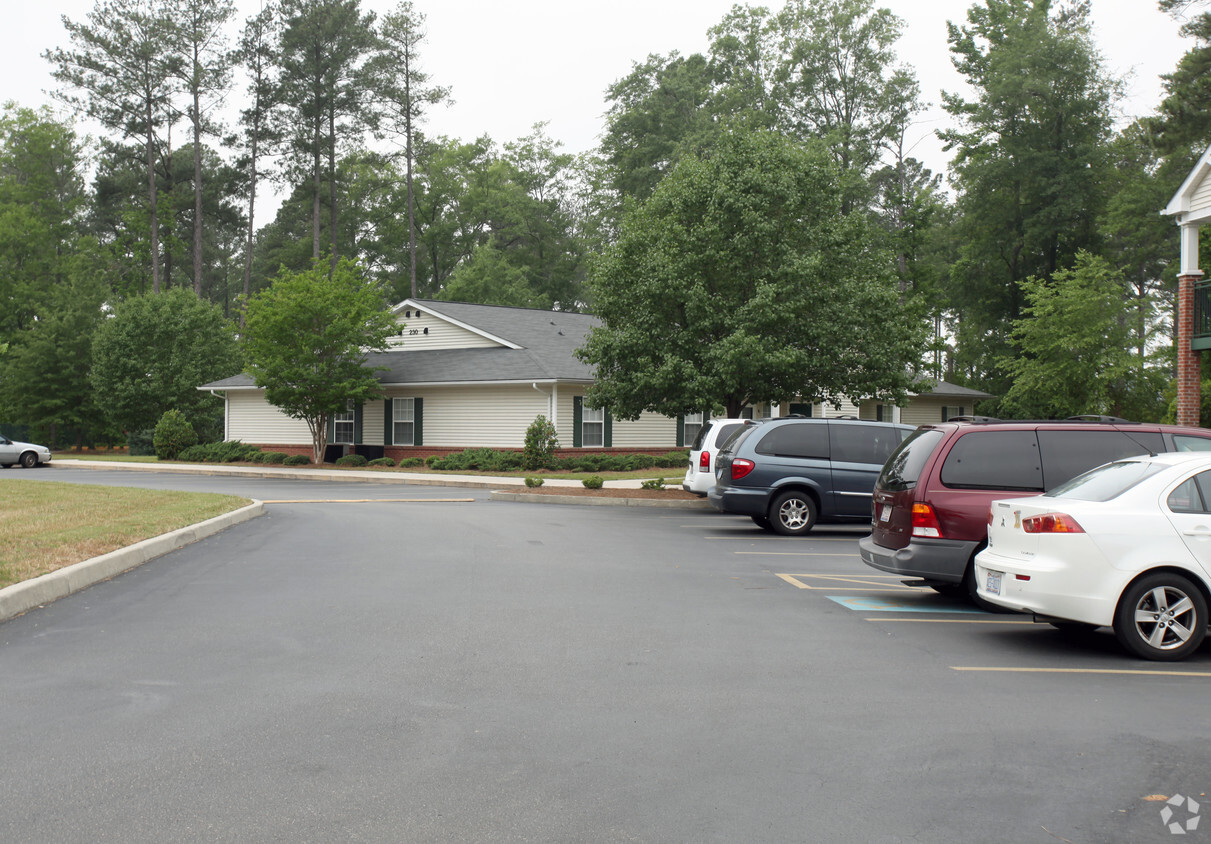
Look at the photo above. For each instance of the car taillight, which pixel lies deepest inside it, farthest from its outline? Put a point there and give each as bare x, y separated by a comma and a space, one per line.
741, 467
704, 461
1051, 523
925, 522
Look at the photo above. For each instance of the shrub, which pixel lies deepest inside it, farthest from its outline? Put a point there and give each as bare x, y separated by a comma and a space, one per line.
477, 460
273, 457
533, 482
408, 462
654, 483
173, 434
297, 460
672, 460
383, 461
541, 442
432, 461
594, 482
355, 460
141, 443
224, 452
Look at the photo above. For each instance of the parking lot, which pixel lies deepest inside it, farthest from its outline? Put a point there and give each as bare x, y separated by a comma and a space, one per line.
374, 663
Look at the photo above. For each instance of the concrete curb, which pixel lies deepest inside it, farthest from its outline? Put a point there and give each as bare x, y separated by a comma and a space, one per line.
536, 498
22, 597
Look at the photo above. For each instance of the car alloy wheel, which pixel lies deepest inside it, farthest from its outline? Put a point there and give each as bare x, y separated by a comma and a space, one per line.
792, 514
1162, 616
29, 460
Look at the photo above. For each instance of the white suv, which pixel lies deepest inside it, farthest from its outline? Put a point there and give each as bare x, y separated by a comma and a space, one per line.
700, 476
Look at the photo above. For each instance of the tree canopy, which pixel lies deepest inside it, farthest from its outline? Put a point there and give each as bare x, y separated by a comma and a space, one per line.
739, 281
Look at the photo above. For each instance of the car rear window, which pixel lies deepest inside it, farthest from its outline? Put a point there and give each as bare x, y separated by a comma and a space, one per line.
1105, 482
903, 468
1007, 460
742, 433
1067, 454
727, 432
701, 438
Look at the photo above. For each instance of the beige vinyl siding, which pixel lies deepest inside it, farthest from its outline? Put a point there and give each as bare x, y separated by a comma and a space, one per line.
650, 430
442, 335
253, 420
1200, 202
923, 411
372, 422
473, 417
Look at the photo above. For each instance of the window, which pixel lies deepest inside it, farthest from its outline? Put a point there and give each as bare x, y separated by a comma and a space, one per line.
1185, 443
871, 444
691, 427
951, 412
592, 427
1066, 454
994, 460
403, 421
342, 427
796, 439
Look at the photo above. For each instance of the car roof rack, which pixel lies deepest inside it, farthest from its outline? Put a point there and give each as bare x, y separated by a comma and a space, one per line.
1093, 417
973, 419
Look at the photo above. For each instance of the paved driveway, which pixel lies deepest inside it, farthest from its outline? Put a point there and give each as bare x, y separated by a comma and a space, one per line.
493, 671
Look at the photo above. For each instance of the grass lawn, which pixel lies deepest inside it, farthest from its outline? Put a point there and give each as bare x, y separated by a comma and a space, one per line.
45, 526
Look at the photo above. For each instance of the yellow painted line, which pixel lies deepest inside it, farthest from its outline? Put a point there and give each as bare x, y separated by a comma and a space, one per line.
951, 620
1137, 671
368, 500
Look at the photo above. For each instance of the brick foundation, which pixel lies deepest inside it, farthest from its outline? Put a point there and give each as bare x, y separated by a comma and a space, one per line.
397, 452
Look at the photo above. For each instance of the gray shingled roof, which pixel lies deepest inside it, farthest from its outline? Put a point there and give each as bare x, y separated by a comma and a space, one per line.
548, 340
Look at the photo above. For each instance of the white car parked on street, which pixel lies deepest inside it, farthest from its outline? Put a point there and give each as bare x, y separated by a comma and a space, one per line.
1126, 545
700, 476
27, 454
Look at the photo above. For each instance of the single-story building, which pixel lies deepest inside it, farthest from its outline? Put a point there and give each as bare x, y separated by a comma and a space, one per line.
468, 376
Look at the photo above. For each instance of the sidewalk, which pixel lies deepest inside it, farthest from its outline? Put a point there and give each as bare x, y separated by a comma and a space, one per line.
319, 474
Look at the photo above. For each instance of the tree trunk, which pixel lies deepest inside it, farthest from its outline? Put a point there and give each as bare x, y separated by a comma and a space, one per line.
197, 194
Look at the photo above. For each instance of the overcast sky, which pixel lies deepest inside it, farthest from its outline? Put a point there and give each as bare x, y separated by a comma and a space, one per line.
512, 64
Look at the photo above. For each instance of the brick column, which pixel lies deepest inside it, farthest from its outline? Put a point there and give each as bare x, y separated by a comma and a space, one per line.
1189, 392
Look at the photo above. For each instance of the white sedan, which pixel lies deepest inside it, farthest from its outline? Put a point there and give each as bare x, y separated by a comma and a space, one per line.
1126, 545
27, 454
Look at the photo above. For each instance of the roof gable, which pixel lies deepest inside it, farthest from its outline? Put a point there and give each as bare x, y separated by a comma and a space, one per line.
1192, 202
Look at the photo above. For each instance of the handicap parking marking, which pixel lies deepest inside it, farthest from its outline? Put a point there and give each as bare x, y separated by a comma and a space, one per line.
850, 582
901, 603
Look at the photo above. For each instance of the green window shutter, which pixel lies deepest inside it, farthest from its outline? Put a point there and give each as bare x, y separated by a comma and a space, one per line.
357, 425
389, 424
418, 415
680, 431
577, 420
331, 427
609, 429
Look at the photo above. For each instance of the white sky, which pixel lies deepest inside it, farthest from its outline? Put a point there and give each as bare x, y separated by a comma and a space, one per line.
512, 64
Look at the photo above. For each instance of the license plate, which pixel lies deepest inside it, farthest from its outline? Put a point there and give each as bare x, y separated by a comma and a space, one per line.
885, 513
993, 585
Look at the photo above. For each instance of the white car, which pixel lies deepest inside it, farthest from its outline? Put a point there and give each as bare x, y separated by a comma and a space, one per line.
1126, 545
27, 454
700, 476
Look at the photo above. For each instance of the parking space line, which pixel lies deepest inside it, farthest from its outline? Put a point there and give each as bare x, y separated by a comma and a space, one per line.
831, 581
1139, 671
748, 536
951, 620
369, 500
791, 554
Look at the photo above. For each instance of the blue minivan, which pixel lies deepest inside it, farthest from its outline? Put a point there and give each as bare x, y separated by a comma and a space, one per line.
788, 474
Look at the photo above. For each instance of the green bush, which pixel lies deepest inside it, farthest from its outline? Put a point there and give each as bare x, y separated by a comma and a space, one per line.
173, 434
478, 460
594, 482
533, 482
141, 443
273, 457
541, 442
231, 451
383, 461
654, 483
355, 460
297, 460
672, 460
409, 462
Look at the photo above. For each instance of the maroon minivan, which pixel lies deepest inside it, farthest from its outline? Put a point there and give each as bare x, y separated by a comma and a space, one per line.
930, 507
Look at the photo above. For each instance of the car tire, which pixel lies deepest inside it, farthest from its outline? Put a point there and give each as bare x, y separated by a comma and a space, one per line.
762, 522
29, 460
1162, 616
792, 513
6, 465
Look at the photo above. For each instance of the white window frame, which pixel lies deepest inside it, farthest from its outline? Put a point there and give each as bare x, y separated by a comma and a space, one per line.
344, 421
403, 421
690, 426
592, 419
